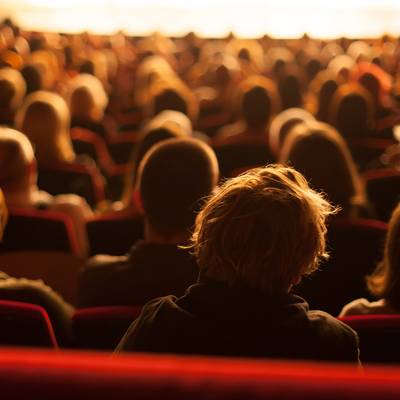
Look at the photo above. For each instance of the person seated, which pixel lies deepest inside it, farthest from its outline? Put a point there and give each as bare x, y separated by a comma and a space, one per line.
36, 292
87, 102
45, 119
173, 177
331, 167
256, 105
18, 180
254, 239
383, 283
12, 92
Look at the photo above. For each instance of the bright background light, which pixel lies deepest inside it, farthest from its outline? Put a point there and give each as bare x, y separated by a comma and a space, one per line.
213, 18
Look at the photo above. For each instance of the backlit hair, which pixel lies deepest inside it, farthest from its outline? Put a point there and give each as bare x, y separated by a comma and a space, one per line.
319, 152
12, 88
385, 280
264, 229
87, 98
16, 159
44, 118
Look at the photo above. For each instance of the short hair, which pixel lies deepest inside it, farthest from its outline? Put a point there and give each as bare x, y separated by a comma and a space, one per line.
33, 78
174, 177
257, 101
385, 280
44, 118
16, 159
262, 229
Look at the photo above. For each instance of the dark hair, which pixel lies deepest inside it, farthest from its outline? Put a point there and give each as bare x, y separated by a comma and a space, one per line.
32, 77
173, 178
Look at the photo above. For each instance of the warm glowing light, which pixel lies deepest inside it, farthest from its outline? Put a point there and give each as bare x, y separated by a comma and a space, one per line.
250, 18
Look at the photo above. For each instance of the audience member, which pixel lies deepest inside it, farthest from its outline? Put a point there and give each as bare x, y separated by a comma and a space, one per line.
254, 239
18, 177
384, 282
173, 178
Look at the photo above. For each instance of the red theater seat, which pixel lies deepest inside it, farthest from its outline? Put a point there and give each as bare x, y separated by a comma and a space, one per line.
40, 375
102, 327
379, 336
24, 324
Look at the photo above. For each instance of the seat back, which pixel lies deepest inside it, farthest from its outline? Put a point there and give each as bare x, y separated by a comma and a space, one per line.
114, 233
355, 247
102, 327
80, 179
379, 336
383, 190
41, 230
40, 375
24, 324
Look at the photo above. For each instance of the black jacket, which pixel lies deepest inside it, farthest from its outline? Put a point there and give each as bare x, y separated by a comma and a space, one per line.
150, 270
213, 319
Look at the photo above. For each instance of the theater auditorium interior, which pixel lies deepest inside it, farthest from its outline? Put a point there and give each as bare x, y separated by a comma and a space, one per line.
199, 199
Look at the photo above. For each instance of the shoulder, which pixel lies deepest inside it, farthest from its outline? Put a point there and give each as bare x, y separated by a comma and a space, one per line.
356, 307
72, 203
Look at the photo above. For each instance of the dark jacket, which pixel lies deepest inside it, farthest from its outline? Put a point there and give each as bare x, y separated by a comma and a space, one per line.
150, 270
213, 319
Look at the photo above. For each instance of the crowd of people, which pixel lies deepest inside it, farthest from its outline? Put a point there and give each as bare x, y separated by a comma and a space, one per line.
239, 156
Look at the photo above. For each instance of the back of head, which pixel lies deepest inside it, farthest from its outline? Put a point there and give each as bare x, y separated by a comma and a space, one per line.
12, 88
352, 111
87, 98
173, 177
319, 152
263, 229
257, 101
33, 78
17, 160
44, 118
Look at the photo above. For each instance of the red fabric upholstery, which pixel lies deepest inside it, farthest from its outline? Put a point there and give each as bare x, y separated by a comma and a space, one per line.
102, 327
41, 375
379, 336
23, 324
52, 231
114, 233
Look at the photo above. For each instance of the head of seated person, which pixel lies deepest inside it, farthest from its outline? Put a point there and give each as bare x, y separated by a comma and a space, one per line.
87, 98
257, 102
12, 92
45, 119
174, 95
352, 111
33, 78
319, 152
263, 230
18, 167
174, 176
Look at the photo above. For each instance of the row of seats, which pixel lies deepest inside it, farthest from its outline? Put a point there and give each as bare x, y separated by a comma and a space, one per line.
24, 324
42, 375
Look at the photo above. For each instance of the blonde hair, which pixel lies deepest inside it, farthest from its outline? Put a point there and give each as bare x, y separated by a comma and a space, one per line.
265, 229
86, 97
16, 159
45, 119
12, 88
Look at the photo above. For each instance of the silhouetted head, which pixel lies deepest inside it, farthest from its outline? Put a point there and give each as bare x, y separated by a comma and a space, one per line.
174, 177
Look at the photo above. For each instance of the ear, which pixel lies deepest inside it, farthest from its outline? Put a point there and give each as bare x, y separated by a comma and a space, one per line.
137, 201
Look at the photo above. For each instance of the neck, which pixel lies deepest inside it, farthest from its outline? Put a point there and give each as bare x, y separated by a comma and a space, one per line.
151, 235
